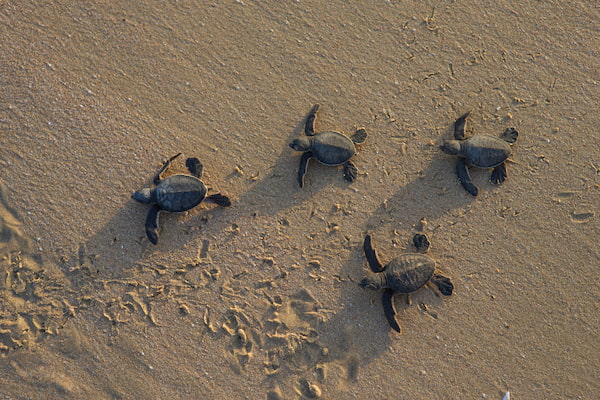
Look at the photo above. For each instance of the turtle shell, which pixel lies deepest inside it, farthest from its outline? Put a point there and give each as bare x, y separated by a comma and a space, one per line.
178, 193
485, 151
409, 272
332, 148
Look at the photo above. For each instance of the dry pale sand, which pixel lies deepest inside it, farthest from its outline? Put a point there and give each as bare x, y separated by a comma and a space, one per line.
260, 300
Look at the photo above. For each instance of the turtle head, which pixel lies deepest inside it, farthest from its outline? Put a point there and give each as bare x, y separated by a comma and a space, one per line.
451, 147
302, 143
145, 195
373, 281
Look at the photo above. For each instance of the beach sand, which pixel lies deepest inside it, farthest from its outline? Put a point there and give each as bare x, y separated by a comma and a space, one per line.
261, 300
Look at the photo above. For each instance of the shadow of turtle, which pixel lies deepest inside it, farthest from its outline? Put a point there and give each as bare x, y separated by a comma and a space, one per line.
315, 347
433, 192
121, 243
358, 332
262, 199
334, 348
279, 190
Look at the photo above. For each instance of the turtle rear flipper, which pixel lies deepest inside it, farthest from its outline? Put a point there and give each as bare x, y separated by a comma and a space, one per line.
498, 174
388, 309
309, 126
350, 171
166, 165
306, 156
359, 136
219, 199
459, 126
194, 166
444, 284
371, 256
510, 135
152, 224
421, 243
462, 170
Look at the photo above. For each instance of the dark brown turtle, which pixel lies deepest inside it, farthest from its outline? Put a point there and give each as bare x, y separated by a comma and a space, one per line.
482, 151
176, 193
405, 274
328, 147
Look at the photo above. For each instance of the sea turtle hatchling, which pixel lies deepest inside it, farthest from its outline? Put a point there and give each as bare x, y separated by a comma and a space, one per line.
405, 274
483, 151
327, 147
176, 193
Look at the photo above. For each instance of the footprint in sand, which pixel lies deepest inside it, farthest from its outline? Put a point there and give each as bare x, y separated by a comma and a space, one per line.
29, 290
296, 350
242, 339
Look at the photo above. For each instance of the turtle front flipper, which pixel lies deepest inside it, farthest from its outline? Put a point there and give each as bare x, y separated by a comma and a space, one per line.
306, 156
462, 170
152, 224
194, 166
350, 171
166, 165
459, 126
443, 284
309, 126
498, 174
510, 135
371, 256
359, 136
388, 309
219, 199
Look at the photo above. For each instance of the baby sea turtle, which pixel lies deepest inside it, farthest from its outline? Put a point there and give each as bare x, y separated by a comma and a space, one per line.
405, 274
176, 193
481, 151
328, 147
